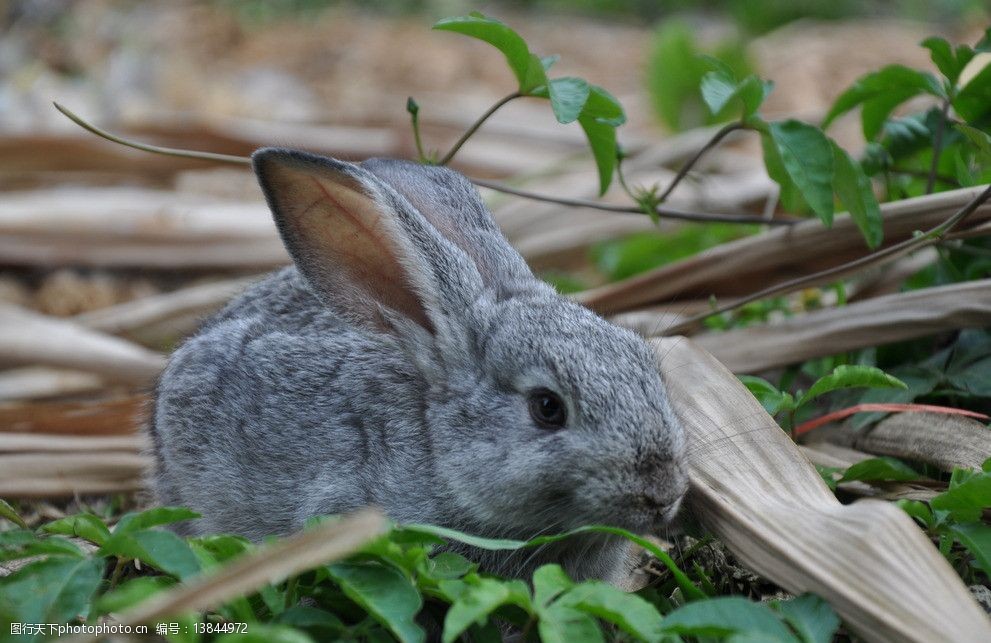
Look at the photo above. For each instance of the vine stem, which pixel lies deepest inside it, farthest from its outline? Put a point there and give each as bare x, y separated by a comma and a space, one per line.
585, 203
937, 146
155, 149
474, 127
929, 237
687, 167
670, 213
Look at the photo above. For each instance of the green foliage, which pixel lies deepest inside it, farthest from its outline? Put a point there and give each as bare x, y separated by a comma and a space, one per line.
809, 167
786, 405
572, 99
378, 594
676, 70
810, 617
799, 157
9, 513
879, 93
849, 376
948, 374
902, 149
727, 617
622, 258
527, 67
874, 469
385, 593
726, 96
856, 194
955, 517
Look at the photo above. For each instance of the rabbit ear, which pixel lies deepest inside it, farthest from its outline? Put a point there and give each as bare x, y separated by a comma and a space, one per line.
452, 205
364, 250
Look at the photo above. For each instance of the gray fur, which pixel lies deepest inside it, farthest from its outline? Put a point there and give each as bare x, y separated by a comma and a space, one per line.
287, 404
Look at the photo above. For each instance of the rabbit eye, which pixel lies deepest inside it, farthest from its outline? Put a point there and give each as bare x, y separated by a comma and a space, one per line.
547, 409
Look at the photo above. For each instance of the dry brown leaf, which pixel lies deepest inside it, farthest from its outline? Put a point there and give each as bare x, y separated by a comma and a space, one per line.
155, 319
881, 320
946, 441
28, 338
753, 489
135, 227
118, 416
39, 382
781, 254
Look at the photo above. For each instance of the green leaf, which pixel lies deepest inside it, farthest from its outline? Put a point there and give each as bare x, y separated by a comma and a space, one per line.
789, 195
629, 612
599, 119
811, 617
851, 376
17, 544
163, 550
674, 70
549, 582
773, 400
495, 544
155, 517
720, 91
942, 56
950, 64
918, 510
973, 101
8, 512
489, 544
602, 140
883, 468
976, 537
212, 550
86, 526
131, 593
448, 565
966, 501
724, 616
597, 111
319, 623
53, 590
476, 602
266, 633
636, 253
384, 593
807, 157
717, 91
528, 69
568, 97
560, 624
978, 138
603, 107
857, 196
880, 92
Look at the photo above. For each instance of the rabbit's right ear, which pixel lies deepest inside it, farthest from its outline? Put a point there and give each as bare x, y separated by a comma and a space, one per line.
362, 248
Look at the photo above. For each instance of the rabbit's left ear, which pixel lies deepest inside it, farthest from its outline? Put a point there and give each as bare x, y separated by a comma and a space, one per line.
364, 250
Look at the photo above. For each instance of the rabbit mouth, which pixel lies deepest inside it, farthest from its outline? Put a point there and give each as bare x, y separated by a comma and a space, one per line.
651, 514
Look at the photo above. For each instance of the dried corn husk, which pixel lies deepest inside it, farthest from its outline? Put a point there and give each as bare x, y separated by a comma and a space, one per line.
753, 488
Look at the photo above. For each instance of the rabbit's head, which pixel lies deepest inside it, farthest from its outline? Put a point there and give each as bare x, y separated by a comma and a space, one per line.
538, 413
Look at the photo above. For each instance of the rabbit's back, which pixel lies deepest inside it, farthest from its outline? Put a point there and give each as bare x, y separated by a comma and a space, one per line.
277, 410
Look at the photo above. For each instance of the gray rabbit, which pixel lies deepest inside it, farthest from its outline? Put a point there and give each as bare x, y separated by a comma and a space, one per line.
410, 360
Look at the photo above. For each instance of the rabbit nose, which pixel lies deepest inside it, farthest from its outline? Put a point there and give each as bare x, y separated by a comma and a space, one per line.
656, 463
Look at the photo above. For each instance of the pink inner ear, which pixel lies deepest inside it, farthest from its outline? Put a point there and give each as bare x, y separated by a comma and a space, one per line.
347, 235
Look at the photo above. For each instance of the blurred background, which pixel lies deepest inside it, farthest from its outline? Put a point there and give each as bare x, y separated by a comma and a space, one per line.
228, 76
